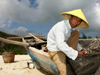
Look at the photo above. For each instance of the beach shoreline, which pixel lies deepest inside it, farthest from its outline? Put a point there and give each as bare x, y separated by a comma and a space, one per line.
19, 67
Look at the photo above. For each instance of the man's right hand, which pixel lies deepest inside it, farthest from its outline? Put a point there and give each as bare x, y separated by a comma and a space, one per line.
81, 53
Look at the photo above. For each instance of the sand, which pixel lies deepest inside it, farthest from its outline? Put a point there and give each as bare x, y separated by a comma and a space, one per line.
19, 67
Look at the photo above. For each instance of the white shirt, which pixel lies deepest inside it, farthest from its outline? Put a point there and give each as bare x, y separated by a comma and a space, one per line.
57, 37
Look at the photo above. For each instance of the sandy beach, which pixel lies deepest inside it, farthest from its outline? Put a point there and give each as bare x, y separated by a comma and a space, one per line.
19, 67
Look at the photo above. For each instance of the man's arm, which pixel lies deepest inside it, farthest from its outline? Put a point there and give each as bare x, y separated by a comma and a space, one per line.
81, 51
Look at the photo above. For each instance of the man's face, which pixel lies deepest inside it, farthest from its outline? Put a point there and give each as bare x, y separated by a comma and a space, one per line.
75, 21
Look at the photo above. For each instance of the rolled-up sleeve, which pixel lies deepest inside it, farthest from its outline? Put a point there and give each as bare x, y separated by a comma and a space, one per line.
62, 45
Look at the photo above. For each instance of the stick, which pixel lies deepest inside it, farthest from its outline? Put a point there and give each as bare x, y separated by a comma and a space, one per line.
14, 42
36, 38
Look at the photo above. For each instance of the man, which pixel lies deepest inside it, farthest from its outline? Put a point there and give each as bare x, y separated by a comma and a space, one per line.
62, 39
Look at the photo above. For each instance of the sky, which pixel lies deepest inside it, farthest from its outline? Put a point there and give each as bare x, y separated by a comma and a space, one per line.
21, 17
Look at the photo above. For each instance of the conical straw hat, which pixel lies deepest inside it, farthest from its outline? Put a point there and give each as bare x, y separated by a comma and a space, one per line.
77, 13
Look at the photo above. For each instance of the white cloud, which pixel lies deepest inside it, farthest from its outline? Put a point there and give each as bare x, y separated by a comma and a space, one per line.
16, 11
6, 24
9, 23
26, 2
48, 12
93, 17
98, 12
21, 31
2, 26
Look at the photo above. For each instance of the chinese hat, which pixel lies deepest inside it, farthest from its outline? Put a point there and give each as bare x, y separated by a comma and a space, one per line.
77, 13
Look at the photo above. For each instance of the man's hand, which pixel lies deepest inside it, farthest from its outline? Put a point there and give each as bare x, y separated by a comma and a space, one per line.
83, 52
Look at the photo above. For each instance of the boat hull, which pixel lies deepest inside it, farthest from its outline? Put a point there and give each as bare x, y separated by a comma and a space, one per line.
42, 59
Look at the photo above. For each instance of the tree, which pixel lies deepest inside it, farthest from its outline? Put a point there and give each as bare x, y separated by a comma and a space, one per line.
97, 37
89, 37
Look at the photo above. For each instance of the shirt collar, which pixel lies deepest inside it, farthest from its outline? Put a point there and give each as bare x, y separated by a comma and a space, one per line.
68, 24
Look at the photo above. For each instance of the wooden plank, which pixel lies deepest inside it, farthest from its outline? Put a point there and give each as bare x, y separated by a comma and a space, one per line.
45, 39
34, 43
13, 42
39, 35
91, 39
17, 37
36, 38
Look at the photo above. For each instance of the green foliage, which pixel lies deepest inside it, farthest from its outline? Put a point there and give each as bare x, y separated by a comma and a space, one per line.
89, 37
4, 35
10, 47
97, 37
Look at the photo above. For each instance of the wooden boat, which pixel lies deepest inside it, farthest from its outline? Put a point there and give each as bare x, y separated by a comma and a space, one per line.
36, 47
38, 54
83, 65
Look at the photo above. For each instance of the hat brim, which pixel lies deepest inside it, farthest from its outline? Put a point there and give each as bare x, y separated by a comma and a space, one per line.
78, 13
82, 25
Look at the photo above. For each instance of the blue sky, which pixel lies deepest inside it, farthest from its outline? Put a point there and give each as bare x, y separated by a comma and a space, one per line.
21, 17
